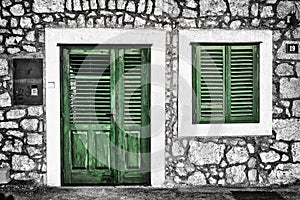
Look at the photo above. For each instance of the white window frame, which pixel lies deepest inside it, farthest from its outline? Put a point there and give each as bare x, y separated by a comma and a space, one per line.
185, 125
157, 38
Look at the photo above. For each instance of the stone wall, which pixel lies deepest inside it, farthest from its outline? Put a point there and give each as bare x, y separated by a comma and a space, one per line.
239, 161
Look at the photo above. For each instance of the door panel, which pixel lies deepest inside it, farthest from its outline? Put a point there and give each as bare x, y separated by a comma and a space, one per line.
105, 120
135, 129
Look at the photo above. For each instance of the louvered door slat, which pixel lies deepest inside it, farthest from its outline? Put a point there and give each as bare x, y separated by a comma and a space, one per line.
132, 86
211, 71
242, 92
90, 95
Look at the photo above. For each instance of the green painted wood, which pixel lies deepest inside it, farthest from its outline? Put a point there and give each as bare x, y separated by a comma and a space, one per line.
145, 118
85, 115
211, 83
102, 150
79, 144
244, 89
227, 73
106, 101
132, 150
256, 81
65, 118
113, 128
226, 83
134, 156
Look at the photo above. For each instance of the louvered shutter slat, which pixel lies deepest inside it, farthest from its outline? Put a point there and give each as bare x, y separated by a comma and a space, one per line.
90, 97
211, 70
242, 90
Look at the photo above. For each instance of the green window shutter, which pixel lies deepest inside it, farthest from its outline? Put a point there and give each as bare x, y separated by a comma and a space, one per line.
89, 92
243, 87
210, 83
225, 83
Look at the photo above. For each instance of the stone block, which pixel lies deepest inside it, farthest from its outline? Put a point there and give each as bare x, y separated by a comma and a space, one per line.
191, 4
236, 175
187, 13
29, 124
22, 163
296, 108
198, 178
237, 155
239, 7
34, 139
85, 5
17, 10
13, 40
149, 7
3, 22
285, 174
285, 7
16, 114
212, 8
141, 6
287, 129
298, 69
14, 22
13, 50
177, 149
3, 157
121, 4
4, 175
205, 153
251, 148
26, 22
33, 151
29, 48
284, 69
80, 21
6, 3
158, 7
254, 9
15, 133
289, 88
30, 36
3, 68
235, 24
251, 163
296, 151
267, 11
252, 176
1, 115
269, 157
13, 146
284, 158
171, 7
93, 4
296, 33
45, 6
8, 125
131, 6
280, 146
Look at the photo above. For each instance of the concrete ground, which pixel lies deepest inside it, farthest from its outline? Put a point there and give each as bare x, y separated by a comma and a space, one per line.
145, 193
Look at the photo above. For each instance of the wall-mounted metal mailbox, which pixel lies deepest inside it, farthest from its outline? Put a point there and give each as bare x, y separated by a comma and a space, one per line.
28, 81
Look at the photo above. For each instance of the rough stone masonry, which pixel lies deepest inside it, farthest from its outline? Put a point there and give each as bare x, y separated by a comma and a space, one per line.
225, 161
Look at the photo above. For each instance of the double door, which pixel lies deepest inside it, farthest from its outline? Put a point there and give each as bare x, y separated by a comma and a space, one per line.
105, 106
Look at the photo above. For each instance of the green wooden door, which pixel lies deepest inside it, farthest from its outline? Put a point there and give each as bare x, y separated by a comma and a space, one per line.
105, 115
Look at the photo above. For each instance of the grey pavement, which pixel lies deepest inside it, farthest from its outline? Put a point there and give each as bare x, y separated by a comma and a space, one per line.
149, 193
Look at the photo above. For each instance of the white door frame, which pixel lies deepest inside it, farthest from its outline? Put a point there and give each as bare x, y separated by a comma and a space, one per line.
157, 38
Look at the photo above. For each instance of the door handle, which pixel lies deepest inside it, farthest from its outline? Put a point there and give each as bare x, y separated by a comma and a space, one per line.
113, 114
